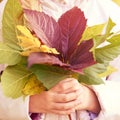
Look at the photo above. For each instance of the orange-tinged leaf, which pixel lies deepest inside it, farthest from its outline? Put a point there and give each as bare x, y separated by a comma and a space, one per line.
33, 86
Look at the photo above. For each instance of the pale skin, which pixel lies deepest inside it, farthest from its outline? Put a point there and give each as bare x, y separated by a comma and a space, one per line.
64, 98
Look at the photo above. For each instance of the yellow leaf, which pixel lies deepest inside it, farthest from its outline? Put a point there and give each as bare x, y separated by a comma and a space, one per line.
27, 40
117, 2
27, 43
33, 86
44, 48
30, 43
109, 70
28, 52
24, 31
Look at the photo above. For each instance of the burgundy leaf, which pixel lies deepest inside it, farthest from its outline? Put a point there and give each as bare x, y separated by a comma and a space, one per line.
82, 57
72, 25
45, 27
66, 34
44, 58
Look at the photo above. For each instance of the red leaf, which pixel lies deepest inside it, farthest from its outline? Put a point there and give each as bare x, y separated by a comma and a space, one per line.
44, 58
82, 57
66, 34
45, 27
72, 24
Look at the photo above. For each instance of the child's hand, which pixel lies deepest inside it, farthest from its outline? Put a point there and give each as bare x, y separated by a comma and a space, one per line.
64, 98
89, 100
86, 99
61, 99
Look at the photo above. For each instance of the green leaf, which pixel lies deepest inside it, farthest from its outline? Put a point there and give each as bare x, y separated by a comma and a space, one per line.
91, 74
98, 39
114, 39
91, 32
14, 79
109, 71
109, 27
12, 16
50, 75
107, 53
8, 55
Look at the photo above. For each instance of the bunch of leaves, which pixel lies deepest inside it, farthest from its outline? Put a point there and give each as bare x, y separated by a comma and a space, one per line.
42, 51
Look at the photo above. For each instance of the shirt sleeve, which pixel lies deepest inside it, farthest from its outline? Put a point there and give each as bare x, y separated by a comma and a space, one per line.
108, 94
13, 109
109, 98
